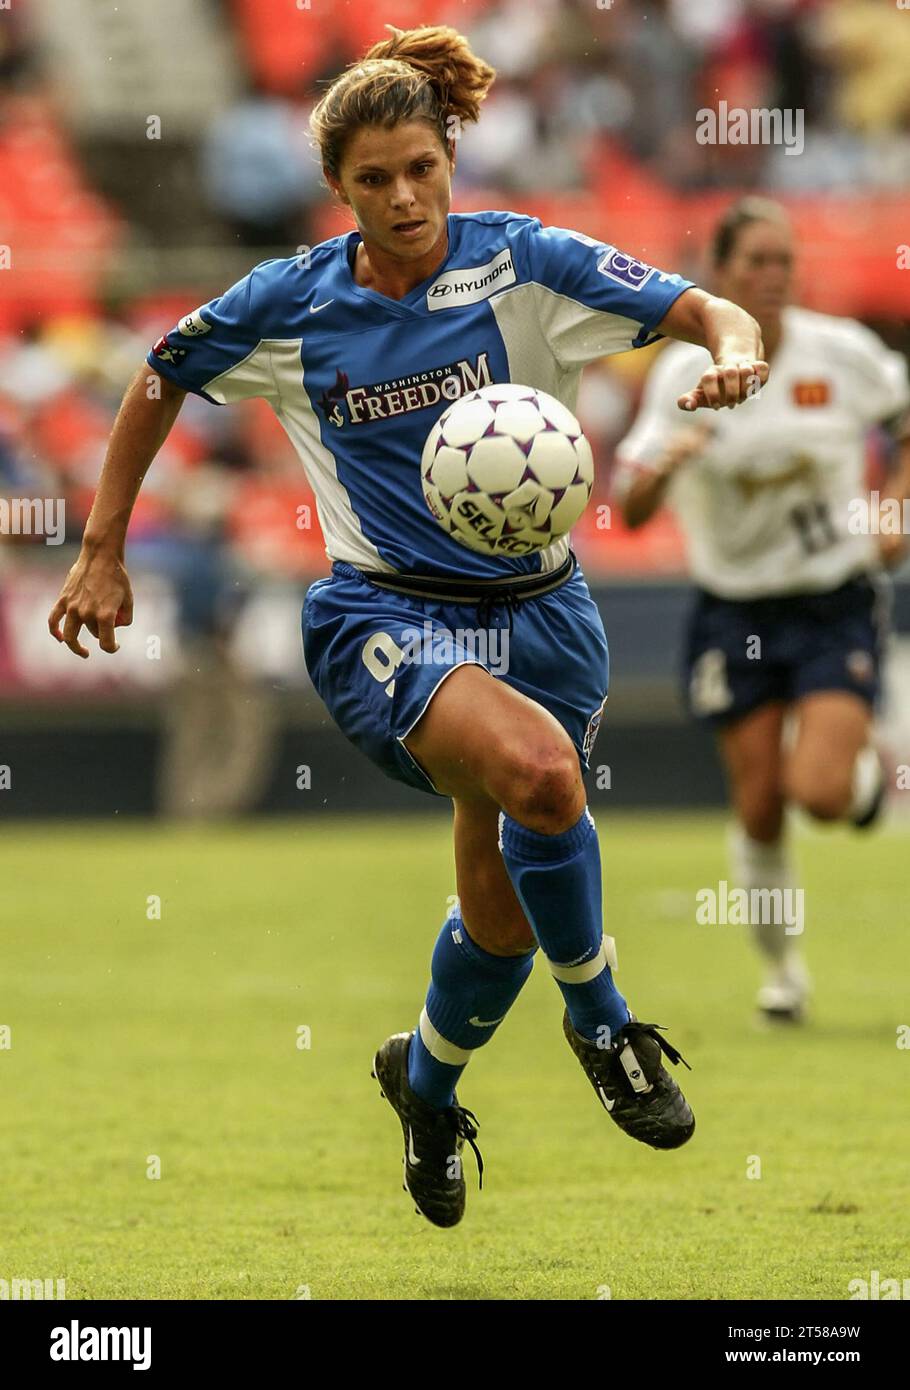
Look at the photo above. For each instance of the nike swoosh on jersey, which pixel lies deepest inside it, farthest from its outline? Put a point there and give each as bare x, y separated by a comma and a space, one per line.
314, 308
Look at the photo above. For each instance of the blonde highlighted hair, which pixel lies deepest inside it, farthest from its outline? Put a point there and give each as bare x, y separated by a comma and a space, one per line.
428, 73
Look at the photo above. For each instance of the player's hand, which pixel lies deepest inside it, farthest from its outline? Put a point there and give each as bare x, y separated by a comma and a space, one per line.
96, 595
725, 384
892, 551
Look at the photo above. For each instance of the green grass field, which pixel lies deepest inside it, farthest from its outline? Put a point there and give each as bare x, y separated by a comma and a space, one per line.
280, 1166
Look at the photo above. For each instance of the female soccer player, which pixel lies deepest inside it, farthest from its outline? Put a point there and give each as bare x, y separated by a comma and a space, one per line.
359, 346
787, 615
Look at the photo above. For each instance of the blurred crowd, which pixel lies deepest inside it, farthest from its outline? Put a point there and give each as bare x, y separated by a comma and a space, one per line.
638, 73
574, 74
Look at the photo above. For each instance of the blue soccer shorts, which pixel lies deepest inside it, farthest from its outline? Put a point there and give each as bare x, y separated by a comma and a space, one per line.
376, 658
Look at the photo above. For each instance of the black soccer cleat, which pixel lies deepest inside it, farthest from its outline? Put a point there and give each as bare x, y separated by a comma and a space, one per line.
433, 1139
633, 1085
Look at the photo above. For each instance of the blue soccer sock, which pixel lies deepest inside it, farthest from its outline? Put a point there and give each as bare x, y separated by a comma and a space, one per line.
557, 880
471, 992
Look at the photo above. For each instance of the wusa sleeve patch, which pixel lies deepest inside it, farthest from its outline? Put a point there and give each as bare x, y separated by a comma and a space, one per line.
625, 270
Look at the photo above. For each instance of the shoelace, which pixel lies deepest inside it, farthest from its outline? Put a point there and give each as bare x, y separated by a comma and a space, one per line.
465, 1124
650, 1029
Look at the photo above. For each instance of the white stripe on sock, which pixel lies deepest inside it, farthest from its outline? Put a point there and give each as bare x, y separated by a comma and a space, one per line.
438, 1046
581, 974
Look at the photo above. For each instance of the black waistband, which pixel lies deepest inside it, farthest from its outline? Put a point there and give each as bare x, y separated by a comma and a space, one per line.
486, 591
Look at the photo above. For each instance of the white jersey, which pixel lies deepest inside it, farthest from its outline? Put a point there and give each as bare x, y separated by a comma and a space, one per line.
765, 507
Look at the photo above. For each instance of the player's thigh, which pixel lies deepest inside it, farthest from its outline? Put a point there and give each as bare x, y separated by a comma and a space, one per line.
480, 738
751, 750
832, 727
490, 908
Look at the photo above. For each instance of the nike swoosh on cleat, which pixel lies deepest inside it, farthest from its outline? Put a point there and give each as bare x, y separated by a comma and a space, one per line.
412, 1157
607, 1104
315, 308
484, 1023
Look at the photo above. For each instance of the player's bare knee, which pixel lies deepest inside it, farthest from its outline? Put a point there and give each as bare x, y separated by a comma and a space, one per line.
544, 790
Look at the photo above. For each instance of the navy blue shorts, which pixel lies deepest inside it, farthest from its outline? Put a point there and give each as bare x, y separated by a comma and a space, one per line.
377, 657
744, 653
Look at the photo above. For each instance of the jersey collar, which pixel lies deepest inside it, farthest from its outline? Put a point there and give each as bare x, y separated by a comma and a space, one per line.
412, 302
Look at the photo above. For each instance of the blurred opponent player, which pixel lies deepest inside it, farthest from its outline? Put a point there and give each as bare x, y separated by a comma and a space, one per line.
788, 613
359, 346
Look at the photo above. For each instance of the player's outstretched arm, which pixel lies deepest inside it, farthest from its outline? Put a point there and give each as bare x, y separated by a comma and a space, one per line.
646, 493
734, 341
97, 592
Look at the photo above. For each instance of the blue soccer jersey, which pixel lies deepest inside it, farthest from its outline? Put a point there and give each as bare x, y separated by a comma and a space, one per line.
358, 379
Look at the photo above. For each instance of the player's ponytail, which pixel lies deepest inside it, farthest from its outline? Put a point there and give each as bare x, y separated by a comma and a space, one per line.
428, 72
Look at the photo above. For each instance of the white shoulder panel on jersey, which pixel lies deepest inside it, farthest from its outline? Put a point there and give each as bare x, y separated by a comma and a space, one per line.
248, 378
573, 333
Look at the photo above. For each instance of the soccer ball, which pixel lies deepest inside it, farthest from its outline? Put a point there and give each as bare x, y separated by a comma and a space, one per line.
506, 470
